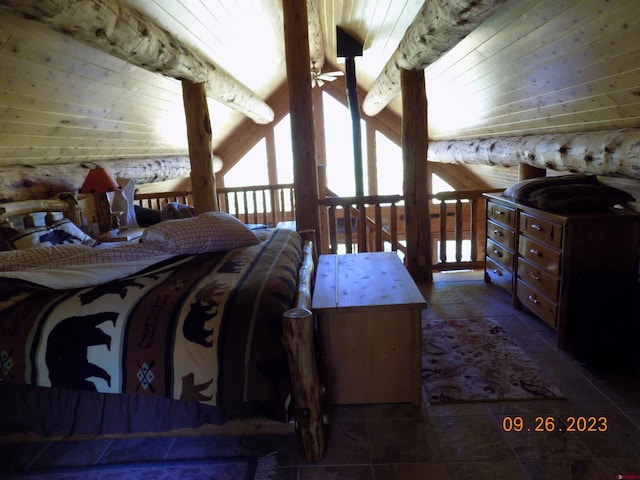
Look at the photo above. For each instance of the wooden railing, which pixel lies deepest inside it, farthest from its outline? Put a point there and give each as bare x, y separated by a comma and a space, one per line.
262, 204
457, 230
363, 223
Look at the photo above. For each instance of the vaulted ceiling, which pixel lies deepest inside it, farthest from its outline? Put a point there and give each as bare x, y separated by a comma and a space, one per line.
533, 66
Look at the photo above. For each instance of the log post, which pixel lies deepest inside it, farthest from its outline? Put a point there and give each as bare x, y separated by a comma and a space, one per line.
414, 157
203, 182
307, 392
296, 40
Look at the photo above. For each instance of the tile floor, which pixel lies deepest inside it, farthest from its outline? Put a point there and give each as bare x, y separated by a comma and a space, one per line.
463, 441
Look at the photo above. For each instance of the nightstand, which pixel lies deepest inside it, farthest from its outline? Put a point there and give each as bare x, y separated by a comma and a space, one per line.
132, 235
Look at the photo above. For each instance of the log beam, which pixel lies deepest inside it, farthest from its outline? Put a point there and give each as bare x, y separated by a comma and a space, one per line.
203, 182
416, 199
439, 26
305, 175
21, 182
122, 31
316, 42
609, 152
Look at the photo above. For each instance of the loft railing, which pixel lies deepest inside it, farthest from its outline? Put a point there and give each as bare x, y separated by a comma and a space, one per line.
262, 204
370, 223
457, 220
457, 229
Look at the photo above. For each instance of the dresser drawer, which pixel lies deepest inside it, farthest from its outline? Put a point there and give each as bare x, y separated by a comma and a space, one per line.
544, 257
537, 303
501, 214
540, 280
541, 230
499, 254
499, 275
500, 234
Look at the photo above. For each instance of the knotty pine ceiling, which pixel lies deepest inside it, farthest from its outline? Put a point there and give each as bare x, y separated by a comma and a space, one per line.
535, 66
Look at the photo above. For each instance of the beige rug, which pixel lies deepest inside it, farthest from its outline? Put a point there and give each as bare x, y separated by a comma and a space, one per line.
474, 360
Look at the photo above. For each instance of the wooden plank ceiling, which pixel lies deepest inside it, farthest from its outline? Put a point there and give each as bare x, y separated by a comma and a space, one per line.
536, 66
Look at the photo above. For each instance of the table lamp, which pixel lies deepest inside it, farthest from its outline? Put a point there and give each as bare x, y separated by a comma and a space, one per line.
98, 182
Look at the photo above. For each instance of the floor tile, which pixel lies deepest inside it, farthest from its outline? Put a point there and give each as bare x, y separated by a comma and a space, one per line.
471, 439
402, 441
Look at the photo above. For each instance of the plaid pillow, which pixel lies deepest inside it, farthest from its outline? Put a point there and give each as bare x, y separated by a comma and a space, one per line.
207, 232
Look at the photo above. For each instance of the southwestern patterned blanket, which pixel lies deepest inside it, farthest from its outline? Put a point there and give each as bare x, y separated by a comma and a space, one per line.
203, 328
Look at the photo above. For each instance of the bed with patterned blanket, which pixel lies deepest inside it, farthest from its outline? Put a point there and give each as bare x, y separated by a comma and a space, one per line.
179, 330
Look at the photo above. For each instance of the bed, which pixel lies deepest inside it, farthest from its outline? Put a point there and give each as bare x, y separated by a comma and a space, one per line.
204, 323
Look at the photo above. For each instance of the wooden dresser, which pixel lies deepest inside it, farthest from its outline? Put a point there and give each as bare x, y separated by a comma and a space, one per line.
537, 256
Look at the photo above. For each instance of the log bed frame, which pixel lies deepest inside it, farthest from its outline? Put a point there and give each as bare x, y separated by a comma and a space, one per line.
298, 339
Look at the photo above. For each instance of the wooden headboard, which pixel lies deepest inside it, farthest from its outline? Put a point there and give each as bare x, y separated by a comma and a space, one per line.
29, 213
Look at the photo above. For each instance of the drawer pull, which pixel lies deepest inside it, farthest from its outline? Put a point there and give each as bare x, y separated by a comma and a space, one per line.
537, 227
499, 212
535, 252
498, 233
534, 276
497, 272
533, 300
497, 252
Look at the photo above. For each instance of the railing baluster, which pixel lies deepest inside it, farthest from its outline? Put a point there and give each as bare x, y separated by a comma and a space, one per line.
443, 231
393, 221
333, 230
379, 247
458, 230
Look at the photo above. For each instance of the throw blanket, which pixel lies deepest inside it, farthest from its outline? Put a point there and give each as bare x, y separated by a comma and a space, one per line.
203, 328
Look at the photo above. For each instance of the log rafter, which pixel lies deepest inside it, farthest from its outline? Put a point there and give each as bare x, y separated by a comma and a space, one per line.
438, 27
316, 41
21, 182
609, 152
122, 31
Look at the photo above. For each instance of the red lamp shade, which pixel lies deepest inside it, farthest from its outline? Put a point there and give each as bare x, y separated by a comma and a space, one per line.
98, 181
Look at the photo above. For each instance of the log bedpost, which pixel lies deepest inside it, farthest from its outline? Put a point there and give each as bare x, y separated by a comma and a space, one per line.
414, 159
203, 182
296, 40
298, 339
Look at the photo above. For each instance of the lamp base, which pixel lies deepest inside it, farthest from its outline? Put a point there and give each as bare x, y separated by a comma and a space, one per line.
103, 212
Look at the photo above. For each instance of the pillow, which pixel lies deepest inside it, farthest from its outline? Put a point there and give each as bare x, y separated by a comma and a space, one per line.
60, 232
578, 198
522, 190
175, 210
207, 232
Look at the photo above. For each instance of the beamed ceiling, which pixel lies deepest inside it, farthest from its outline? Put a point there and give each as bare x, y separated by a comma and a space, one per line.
532, 66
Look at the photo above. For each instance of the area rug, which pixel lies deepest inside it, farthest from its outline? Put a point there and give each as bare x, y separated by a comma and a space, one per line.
234, 468
474, 360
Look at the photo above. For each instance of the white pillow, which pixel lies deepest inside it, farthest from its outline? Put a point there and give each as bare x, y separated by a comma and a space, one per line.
59, 233
207, 232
